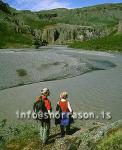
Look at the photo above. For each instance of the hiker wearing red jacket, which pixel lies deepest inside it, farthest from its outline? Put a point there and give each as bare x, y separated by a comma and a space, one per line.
45, 125
66, 112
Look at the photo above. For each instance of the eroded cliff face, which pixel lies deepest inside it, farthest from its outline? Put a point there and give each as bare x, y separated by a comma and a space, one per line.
120, 27
58, 26
59, 33
65, 33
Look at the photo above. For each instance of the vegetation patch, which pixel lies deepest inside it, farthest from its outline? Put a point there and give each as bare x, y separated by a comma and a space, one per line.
111, 42
26, 136
21, 72
113, 141
19, 29
23, 136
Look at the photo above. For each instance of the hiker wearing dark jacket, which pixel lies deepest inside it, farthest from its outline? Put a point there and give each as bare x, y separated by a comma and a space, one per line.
65, 111
45, 124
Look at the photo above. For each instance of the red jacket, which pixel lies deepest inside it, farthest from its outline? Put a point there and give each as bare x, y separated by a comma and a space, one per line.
64, 106
47, 102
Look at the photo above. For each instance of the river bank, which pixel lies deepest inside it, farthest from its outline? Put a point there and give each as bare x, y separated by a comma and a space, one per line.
97, 136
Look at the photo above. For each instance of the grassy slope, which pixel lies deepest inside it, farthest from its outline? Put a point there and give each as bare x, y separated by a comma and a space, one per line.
111, 42
99, 16
10, 39
112, 141
26, 137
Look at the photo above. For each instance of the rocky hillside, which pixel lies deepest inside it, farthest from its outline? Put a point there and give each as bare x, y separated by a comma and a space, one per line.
95, 136
57, 26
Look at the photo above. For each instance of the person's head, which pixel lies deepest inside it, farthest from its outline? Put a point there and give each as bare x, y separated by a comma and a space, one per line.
45, 92
63, 95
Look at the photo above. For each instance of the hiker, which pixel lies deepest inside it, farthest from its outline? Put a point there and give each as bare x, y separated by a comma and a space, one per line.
63, 106
46, 109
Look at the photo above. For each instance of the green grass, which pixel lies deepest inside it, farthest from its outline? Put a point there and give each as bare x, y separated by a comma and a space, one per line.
102, 15
10, 39
38, 24
111, 42
23, 136
99, 17
26, 136
112, 142
15, 41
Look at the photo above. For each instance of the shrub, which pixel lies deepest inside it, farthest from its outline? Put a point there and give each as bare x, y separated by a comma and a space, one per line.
21, 72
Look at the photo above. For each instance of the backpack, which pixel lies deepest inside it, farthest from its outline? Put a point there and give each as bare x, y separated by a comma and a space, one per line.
39, 109
58, 110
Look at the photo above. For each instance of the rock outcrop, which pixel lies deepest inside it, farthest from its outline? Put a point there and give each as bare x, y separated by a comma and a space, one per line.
65, 33
58, 26
87, 139
120, 27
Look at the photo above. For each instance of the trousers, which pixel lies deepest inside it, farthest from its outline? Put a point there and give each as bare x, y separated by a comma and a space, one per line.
44, 131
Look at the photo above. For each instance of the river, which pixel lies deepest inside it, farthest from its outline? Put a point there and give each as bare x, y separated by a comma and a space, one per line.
92, 79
